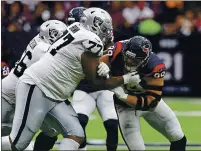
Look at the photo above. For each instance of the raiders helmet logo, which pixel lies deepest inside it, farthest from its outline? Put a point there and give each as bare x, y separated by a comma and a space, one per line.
97, 21
53, 33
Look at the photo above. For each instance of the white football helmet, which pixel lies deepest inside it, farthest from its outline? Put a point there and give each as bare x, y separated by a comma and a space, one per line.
51, 30
99, 22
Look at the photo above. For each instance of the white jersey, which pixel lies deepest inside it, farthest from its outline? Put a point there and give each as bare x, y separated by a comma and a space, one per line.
59, 72
34, 51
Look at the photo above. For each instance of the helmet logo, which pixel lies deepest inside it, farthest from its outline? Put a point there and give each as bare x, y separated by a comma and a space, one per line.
97, 21
145, 50
53, 33
146, 47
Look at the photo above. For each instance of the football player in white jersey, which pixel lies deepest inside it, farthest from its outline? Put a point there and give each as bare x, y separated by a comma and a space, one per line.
37, 47
84, 104
47, 84
86, 98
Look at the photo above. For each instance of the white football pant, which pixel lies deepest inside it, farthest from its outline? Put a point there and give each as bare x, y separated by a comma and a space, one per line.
85, 103
31, 108
162, 119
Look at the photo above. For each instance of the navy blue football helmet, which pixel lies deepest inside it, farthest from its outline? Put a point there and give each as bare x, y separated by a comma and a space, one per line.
74, 15
137, 52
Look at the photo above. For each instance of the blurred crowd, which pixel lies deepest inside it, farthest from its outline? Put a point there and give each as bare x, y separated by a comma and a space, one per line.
169, 15
182, 18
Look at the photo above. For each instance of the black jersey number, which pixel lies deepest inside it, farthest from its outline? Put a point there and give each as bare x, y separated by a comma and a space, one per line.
93, 45
62, 42
21, 66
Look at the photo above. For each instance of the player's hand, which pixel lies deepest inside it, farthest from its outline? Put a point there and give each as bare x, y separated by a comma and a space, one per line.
120, 94
132, 79
103, 70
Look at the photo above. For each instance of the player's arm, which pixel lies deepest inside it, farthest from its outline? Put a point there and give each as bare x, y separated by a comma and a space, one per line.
153, 84
151, 97
90, 64
105, 59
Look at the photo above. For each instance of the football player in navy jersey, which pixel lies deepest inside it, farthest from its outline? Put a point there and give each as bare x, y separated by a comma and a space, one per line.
145, 98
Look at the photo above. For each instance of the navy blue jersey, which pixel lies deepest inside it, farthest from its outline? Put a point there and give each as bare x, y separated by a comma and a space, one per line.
85, 85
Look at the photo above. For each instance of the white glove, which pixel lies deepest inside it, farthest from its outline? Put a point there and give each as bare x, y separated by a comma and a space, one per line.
120, 94
132, 78
103, 70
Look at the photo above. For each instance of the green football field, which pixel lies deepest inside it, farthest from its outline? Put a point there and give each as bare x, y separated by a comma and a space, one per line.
188, 111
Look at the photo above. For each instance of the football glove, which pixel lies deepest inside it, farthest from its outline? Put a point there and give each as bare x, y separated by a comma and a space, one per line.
120, 93
103, 70
132, 79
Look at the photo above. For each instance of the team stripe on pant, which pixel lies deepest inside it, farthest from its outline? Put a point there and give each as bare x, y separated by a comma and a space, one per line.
26, 111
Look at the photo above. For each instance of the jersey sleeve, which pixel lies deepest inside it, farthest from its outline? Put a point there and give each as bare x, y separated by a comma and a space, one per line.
157, 72
156, 68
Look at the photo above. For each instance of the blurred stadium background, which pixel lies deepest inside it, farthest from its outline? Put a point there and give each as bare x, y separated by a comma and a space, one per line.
174, 28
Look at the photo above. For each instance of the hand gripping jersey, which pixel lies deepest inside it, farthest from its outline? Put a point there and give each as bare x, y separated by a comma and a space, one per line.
154, 69
34, 51
4, 70
58, 73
